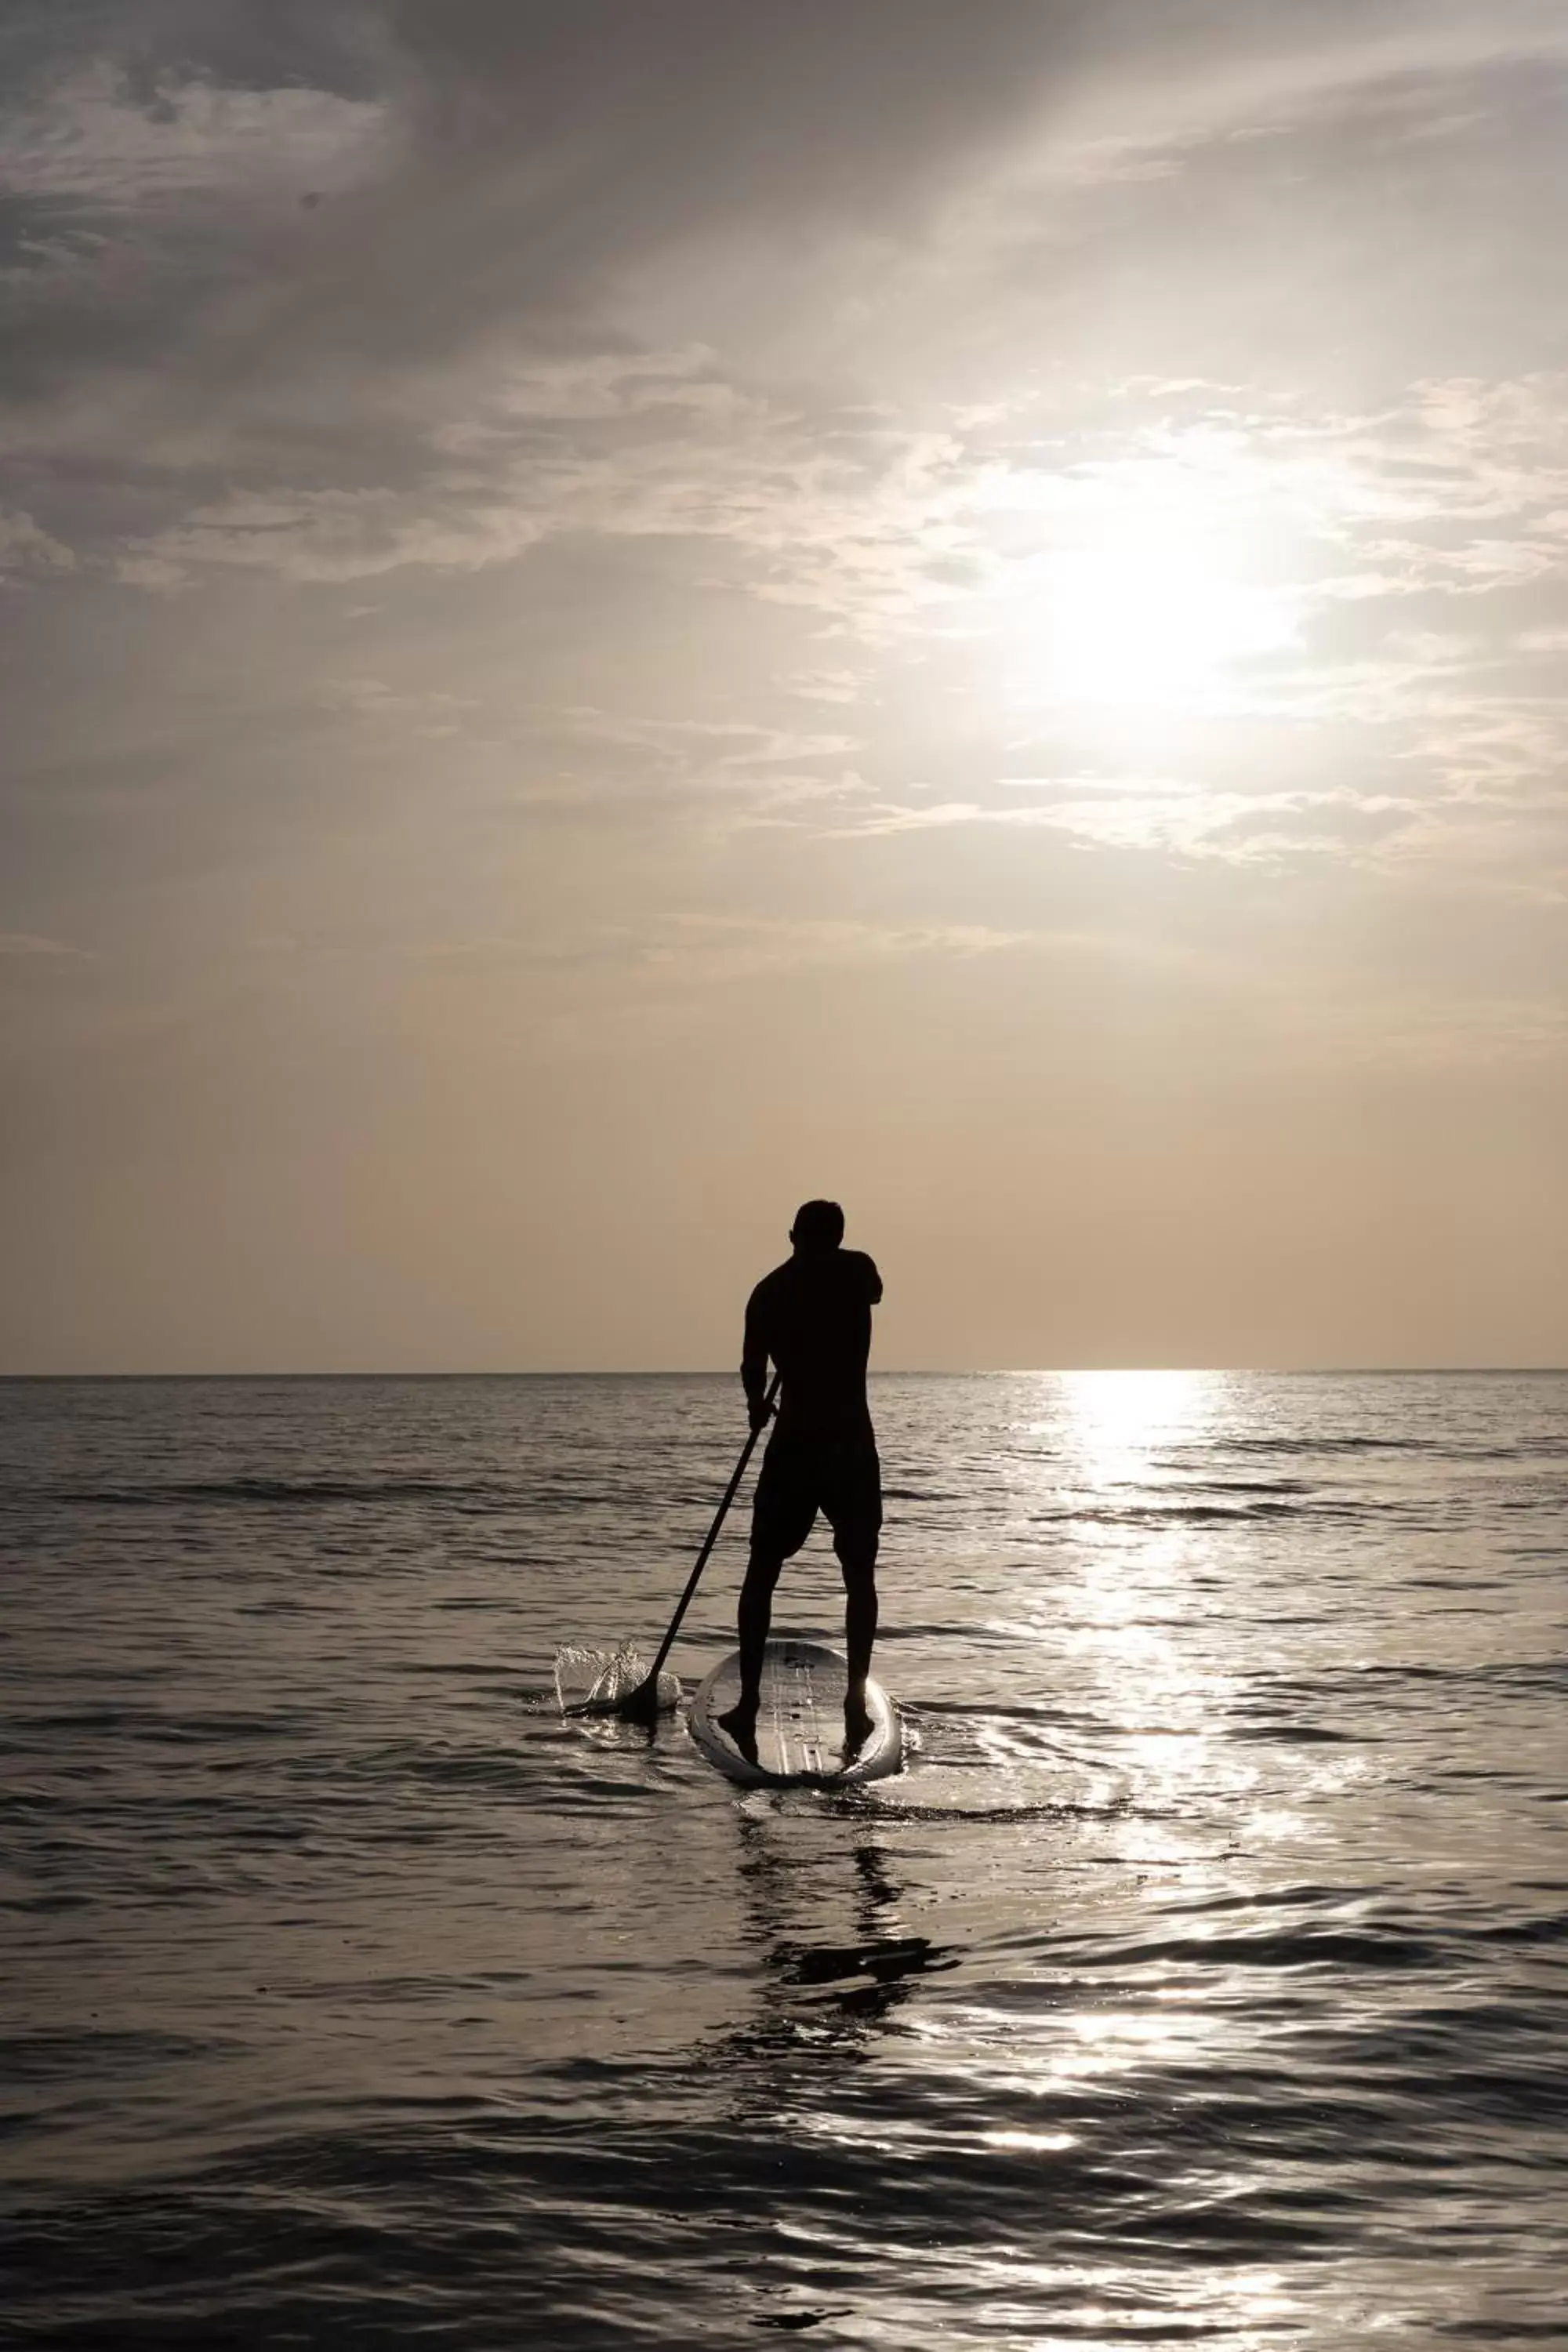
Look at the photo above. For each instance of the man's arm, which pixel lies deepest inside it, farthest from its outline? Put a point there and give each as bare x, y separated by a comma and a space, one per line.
755, 1361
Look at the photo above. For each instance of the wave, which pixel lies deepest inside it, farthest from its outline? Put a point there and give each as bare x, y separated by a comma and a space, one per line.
158, 1494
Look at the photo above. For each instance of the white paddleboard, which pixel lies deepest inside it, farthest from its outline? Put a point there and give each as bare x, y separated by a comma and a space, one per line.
800, 1721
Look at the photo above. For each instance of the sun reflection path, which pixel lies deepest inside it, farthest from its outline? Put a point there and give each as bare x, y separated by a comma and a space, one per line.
1148, 1626
1118, 1420
1113, 2082
1138, 1546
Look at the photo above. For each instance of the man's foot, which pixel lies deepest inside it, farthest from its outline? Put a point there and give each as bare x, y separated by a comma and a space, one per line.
740, 1723
857, 1721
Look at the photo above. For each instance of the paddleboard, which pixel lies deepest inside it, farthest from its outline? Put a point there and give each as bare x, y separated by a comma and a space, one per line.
800, 1722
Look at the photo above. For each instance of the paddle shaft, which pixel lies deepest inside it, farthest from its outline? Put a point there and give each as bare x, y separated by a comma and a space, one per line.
650, 1681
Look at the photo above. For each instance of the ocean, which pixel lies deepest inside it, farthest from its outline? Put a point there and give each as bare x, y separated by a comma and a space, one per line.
1200, 1982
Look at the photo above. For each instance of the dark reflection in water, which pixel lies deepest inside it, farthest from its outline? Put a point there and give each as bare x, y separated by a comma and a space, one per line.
854, 1986
820, 2006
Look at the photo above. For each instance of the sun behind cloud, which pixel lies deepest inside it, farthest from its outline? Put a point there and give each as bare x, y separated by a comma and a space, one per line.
1155, 584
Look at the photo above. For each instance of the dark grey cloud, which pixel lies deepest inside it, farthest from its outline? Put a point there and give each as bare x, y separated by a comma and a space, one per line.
536, 154
435, 365
245, 44
265, 241
537, 148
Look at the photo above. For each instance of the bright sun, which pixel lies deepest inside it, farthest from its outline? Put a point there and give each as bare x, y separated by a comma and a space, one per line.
1146, 594
1147, 628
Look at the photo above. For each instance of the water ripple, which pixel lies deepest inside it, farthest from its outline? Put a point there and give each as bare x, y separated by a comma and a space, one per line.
1201, 1981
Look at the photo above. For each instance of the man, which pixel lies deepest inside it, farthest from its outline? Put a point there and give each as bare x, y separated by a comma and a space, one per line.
813, 1317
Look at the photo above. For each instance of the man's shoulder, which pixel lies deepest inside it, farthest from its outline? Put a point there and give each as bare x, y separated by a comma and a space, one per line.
772, 1284
863, 1274
851, 1269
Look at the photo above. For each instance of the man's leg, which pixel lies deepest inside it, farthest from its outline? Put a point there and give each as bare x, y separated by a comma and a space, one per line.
859, 1617
752, 1620
859, 1633
856, 1511
781, 1512
755, 1615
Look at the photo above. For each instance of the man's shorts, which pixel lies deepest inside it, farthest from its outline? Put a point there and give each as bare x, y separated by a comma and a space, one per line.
840, 1477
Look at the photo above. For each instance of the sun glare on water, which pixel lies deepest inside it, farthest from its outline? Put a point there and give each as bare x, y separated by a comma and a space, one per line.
1118, 1421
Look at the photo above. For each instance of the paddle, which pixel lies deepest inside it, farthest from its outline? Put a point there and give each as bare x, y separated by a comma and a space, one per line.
641, 1706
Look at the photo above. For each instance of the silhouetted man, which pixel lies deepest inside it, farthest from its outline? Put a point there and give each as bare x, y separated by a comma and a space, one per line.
813, 1317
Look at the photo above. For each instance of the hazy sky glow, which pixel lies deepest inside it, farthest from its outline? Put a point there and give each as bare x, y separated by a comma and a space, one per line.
615, 613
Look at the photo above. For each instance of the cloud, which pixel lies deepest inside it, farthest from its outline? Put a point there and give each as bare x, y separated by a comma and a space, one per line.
316, 536
585, 387
26, 548
838, 510
738, 771
839, 686
507, 170
147, 210
89, 141
490, 173
1271, 829
30, 945
490, 348
706, 947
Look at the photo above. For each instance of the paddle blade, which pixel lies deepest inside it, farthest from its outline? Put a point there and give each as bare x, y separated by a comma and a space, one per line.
599, 1682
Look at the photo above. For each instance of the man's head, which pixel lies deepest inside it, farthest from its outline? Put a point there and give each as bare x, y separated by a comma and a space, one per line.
818, 1227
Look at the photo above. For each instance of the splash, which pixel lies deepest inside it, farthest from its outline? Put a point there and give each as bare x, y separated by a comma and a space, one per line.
595, 1682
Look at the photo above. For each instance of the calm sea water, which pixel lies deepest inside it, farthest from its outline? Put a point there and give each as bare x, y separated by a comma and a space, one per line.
1201, 1982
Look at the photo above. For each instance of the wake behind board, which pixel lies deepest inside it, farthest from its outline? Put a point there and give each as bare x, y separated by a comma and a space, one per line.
800, 1722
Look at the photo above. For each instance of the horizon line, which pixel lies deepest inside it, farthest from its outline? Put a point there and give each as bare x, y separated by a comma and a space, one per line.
878, 1373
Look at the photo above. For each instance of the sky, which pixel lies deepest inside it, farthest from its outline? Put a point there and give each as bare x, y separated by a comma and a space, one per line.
619, 613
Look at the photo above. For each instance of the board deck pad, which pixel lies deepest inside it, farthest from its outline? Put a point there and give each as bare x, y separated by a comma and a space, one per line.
800, 1721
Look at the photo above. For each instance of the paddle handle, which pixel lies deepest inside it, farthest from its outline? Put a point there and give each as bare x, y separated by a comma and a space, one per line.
720, 1516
